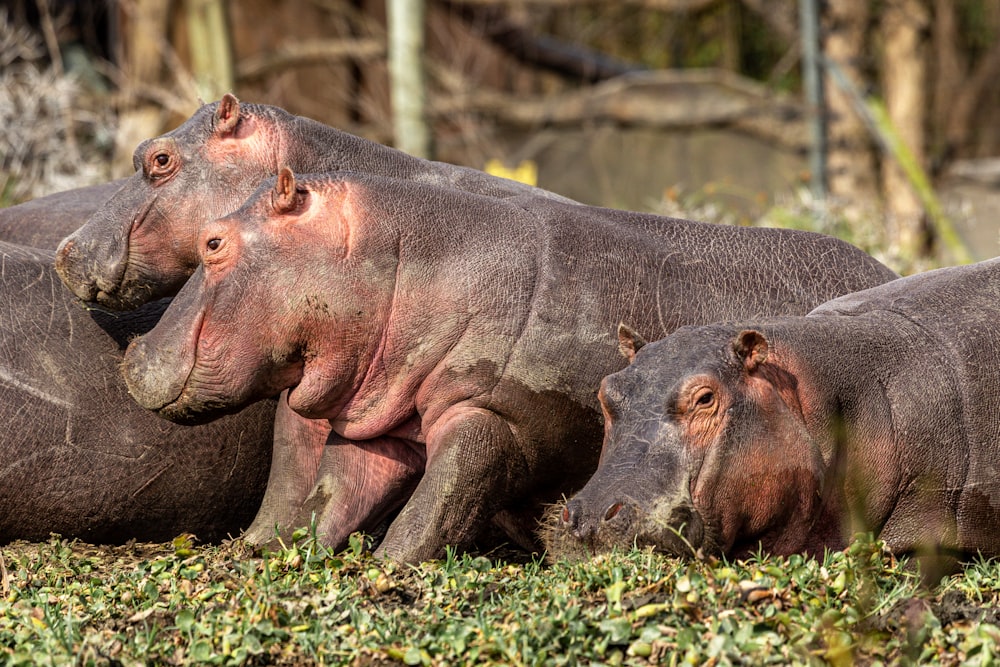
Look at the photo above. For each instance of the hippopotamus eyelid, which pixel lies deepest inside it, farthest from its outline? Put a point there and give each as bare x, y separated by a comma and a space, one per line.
706, 397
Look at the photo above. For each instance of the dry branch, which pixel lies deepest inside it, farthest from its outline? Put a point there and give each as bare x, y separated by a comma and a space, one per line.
666, 99
541, 50
309, 52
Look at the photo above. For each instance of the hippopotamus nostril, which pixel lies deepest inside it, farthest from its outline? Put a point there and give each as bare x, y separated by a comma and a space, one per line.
612, 511
574, 519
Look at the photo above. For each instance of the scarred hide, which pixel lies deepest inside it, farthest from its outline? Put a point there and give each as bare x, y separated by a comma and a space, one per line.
458, 337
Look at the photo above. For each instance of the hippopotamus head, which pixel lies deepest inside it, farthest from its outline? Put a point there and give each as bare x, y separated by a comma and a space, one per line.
705, 450
247, 323
141, 244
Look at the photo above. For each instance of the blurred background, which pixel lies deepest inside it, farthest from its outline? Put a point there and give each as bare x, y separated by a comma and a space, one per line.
875, 121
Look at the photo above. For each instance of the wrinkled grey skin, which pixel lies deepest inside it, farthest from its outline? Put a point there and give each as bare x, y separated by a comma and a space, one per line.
141, 245
44, 222
877, 411
79, 457
454, 342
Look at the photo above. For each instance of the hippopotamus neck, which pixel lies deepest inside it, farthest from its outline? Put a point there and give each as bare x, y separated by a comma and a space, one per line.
443, 305
873, 473
308, 146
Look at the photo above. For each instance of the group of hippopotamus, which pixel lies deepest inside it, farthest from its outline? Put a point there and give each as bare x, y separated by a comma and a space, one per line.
422, 350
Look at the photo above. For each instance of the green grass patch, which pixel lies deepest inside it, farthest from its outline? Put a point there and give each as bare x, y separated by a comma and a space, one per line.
73, 603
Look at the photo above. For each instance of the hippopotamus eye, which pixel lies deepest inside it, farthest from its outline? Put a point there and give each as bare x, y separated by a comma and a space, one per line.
705, 398
162, 159
213, 244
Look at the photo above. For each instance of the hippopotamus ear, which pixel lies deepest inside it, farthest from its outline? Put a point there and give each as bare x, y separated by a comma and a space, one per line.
751, 347
227, 114
629, 341
284, 196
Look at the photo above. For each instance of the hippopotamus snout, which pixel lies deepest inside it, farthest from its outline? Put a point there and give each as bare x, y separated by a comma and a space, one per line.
68, 259
589, 524
89, 281
584, 523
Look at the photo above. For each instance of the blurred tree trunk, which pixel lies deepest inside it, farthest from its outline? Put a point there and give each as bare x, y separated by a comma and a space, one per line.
974, 89
851, 170
406, 76
904, 79
949, 72
210, 48
144, 36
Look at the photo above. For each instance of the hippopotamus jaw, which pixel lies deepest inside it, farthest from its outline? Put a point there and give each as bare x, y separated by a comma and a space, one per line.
95, 270
675, 526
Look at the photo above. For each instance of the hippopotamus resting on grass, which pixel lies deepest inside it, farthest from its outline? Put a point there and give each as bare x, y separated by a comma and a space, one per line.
877, 412
454, 342
44, 222
79, 457
143, 243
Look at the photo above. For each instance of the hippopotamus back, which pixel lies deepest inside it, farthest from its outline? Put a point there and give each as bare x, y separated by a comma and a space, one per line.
80, 458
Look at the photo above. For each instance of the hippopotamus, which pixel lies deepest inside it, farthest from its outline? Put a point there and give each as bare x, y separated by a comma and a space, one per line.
80, 458
877, 411
453, 342
141, 245
44, 222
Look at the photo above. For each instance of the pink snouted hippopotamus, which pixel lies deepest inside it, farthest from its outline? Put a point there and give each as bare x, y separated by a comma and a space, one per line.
142, 243
454, 342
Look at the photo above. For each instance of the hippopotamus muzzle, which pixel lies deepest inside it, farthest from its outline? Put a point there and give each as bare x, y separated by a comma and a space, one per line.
669, 523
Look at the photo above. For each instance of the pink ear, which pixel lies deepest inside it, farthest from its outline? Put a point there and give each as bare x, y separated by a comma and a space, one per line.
629, 342
283, 197
227, 114
751, 347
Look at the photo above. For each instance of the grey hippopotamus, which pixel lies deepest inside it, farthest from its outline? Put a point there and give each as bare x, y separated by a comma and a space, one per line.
141, 245
454, 342
80, 458
44, 222
877, 411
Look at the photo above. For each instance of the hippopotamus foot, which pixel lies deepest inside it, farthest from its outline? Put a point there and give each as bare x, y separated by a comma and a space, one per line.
341, 487
458, 494
295, 463
360, 484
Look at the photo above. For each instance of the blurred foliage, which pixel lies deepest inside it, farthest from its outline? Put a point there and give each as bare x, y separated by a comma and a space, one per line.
53, 129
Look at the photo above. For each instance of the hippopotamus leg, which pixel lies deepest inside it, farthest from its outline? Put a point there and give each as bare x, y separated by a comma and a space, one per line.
358, 485
376, 477
295, 462
458, 492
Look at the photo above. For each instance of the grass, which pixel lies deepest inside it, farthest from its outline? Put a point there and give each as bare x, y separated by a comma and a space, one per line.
73, 603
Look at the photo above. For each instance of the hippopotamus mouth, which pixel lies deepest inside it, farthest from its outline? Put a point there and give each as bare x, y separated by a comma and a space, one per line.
112, 288
682, 532
157, 375
668, 526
